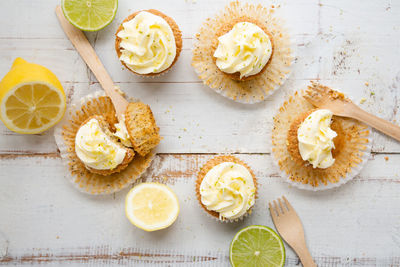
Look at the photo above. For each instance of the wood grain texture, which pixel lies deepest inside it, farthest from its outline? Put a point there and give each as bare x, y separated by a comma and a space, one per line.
77, 228
350, 45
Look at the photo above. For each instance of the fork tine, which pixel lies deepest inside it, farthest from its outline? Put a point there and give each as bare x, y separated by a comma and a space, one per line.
312, 92
289, 207
281, 206
320, 88
276, 206
272, 211
273, 214
316, 87
286, 203
311, 100
308, 97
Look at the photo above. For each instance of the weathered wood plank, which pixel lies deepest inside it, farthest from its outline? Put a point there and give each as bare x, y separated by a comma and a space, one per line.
36, 19
185, 125
104, 256
93, 230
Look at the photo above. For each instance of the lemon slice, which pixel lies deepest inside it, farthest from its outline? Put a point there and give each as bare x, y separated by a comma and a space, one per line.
151, 206
90, 15
31, 98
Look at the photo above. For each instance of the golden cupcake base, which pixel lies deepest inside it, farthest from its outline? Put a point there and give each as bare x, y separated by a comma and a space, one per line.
84, 180
352, 147
206, 168
175, 30
260, 86
225, 29
142, 128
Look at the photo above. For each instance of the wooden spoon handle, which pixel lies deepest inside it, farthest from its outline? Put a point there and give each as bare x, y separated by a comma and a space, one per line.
82, 45
380, 124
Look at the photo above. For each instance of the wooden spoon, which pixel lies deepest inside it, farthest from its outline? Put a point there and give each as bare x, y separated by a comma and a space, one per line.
82, 45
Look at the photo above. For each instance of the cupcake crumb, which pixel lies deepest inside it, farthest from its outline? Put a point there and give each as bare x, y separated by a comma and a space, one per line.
118, 89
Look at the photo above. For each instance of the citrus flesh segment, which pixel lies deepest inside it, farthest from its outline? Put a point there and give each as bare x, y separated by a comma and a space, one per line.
90, 15
151, 206
255, 246
32, 107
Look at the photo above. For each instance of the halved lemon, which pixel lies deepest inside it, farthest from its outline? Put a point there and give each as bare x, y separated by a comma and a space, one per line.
32, 99
151, 206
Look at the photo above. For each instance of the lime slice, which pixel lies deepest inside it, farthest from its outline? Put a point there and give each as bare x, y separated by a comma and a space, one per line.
257, 245
90, 15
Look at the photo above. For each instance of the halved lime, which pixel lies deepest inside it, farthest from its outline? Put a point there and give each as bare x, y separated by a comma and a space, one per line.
90, 15
257, 246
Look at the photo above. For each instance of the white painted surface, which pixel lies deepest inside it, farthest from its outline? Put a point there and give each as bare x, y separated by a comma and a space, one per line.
343, 43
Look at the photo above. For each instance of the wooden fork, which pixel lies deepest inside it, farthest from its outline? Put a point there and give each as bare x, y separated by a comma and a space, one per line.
326, 98
289, 226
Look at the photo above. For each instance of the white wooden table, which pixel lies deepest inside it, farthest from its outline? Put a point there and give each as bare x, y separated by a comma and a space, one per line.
344, 44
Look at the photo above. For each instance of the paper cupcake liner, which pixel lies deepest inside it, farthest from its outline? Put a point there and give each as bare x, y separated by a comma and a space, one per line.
355, 150
82, 178
253, 90
177, 35
206, 168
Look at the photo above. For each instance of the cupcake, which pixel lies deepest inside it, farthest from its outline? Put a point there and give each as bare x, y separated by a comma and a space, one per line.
96, 147
148, 43
243, 53
244, 49
315, 149
226, 188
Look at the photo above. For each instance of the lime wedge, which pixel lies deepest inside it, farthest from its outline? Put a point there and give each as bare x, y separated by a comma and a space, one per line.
90, 15
257, 245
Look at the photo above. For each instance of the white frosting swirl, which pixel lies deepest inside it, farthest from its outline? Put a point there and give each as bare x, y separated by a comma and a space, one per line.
96, 149
245, 49
316, 139
148, 43
122, 133
228, 188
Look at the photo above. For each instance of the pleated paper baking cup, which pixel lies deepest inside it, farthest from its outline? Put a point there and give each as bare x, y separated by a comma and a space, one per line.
206, 168
352, 148
177, 35
265, 83
82, 178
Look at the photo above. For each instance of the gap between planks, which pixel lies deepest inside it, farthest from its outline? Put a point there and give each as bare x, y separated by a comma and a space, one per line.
172, 166
103, 255
7, 154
